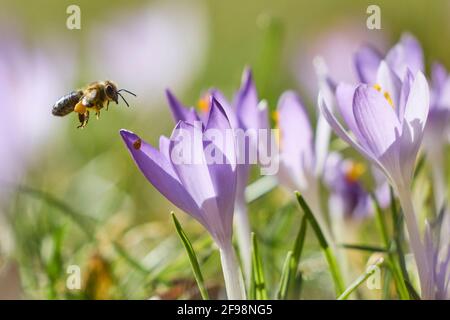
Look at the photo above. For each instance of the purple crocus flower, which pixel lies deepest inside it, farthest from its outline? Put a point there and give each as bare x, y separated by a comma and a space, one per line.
387, 123
348, 198
247, 116
406, 54
204, 190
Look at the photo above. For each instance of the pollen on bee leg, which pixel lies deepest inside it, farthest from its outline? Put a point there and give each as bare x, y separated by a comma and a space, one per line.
137, 144
79, 108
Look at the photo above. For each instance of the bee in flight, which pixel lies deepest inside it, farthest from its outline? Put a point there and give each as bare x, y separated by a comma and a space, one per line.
92, 98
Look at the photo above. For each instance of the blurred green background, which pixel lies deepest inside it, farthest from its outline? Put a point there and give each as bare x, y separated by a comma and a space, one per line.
82, 200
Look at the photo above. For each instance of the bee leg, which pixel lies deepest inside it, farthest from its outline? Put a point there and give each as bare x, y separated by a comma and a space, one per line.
107, 105
97, 114
84, 118
81, 119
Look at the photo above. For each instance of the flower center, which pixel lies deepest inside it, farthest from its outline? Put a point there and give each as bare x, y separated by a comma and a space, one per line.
355, 171
203, 103
386, 94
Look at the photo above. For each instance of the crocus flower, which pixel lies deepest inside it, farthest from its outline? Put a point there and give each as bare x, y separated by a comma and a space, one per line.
407, 54
247, 116
437, 244
348, 198
204, 190
387, 122
151, 47
298, 158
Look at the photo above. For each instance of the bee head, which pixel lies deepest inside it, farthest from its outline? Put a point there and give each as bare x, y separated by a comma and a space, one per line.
111, 91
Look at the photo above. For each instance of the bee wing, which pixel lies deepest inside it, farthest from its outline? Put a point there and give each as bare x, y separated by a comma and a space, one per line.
67, 103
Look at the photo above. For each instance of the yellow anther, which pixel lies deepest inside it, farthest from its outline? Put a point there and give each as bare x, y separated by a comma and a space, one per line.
377, 87
386, 94
203, 103
388, 98
355, 171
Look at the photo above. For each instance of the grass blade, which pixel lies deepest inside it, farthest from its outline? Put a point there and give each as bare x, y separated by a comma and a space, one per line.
412, 292
258, 284
363, 247
394, 265
327, 250
361, 279
285, 277
192, 258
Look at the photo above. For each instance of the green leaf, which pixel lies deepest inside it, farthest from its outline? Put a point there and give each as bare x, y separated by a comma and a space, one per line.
327, 250
258, 284
285, 277
192, 258
295, 277
361, 279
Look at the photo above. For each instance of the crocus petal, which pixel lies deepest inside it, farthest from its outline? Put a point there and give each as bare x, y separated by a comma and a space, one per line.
375, 119
404, 94
323, 129
223, 101
295, 129
406, 54
344, 96
193, 172
418, 103
179, 111
416, 113
367, 60
218, 120
158, 170
296, 142
380, 128
342, 133
246, 102
438, 76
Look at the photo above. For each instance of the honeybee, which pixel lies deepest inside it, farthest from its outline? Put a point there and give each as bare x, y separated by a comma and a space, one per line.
90, 99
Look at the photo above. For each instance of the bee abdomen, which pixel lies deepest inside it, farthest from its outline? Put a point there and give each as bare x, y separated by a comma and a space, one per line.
66, 104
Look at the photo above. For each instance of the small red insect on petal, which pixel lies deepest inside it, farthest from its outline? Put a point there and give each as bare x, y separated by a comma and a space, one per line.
137, 144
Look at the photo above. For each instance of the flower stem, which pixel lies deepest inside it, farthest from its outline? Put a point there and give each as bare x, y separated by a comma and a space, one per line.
243, 235
234, 282
416, 244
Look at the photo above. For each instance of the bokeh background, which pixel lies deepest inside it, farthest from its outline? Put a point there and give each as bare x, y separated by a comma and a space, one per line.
74, 197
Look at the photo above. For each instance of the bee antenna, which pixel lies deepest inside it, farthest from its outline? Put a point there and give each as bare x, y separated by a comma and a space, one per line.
123, 99
127, 92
